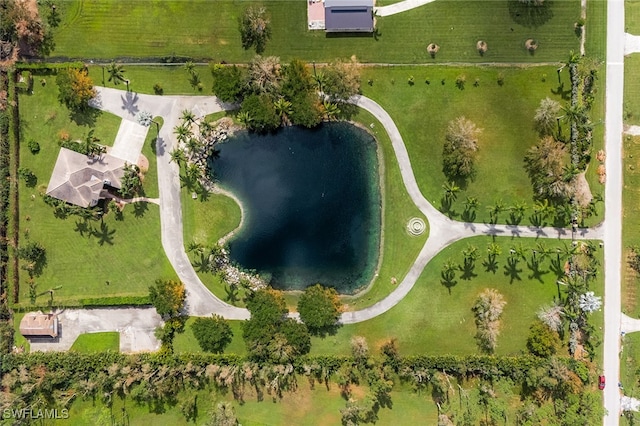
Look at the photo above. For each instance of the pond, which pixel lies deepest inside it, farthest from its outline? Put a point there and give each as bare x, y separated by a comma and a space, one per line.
311, 201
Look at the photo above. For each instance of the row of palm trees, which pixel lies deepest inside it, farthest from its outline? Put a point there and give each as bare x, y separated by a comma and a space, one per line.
542, 210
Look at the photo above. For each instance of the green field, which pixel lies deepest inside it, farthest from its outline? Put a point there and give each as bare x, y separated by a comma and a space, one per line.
425, 321
97, 342
106, 29
630, 224
505, 113
117, 258
632, 16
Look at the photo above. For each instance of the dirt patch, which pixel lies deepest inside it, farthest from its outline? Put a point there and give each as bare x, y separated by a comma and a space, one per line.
143, 163
582, 190
531, 45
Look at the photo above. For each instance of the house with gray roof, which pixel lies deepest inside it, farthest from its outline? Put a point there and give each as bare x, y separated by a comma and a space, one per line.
348, 16
83, 180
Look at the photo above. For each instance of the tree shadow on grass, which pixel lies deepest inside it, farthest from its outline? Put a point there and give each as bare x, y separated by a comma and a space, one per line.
491, 264
530, 16
467, 270
85, 117
84, 228
104, 234
448, 280
511, 270
140, 208
536, 272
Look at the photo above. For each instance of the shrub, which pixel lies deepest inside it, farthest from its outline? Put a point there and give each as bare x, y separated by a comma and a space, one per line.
34, 146
168, 297
213, 334
157, 89
319, 308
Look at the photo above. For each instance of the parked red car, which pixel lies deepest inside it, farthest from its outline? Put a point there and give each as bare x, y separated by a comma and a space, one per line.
601, 382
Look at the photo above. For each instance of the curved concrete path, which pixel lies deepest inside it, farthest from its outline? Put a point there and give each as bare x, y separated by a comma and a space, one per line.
200, 301
399, 7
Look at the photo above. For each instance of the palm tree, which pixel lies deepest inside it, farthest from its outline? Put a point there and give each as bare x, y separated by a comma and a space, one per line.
450, 191
177, 156
116, 73
517, 212
471, 203
495, 210
244, 117
182, 132
188, 116
547, 115
189, 66
90, 145
569, 172
283, 108
331, 110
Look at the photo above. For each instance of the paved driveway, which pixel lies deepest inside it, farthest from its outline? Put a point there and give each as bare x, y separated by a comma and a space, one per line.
129, 141
135, 325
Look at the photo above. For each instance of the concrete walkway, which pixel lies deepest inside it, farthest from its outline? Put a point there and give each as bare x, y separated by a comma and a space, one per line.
135, 325
628, 324
399, 7
631, 43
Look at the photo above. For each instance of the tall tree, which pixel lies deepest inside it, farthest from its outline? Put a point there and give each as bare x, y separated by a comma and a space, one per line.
116, 73
460, 149
213, 334
75, 88
319, 308
547, 116
168, 297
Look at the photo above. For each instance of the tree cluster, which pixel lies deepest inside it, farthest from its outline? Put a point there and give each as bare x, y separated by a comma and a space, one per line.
168, 297
22, 25
272, 94
269, 335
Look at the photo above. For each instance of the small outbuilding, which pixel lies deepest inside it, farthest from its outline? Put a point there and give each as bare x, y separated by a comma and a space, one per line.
37, 324
341, 16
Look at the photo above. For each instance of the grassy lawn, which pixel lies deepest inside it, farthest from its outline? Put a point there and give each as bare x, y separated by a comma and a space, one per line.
173, 79
18, 339
428, 318
632, 89
596, 27
97, 342
505, 113
629, 364
187, 343
125, 253
630, 224
632, 16
104, 29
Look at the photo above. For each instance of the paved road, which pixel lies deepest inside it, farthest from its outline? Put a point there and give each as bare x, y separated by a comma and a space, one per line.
613, 207
399, 7
135, 325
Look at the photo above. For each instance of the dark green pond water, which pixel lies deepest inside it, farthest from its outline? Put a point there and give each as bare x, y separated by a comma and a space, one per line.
312, 205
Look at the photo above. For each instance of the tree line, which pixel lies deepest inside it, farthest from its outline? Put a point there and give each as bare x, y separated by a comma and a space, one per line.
271, 94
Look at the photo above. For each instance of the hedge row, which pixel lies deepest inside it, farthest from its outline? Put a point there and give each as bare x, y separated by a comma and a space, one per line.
48, 65
98, 302
14, 165
6, 322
